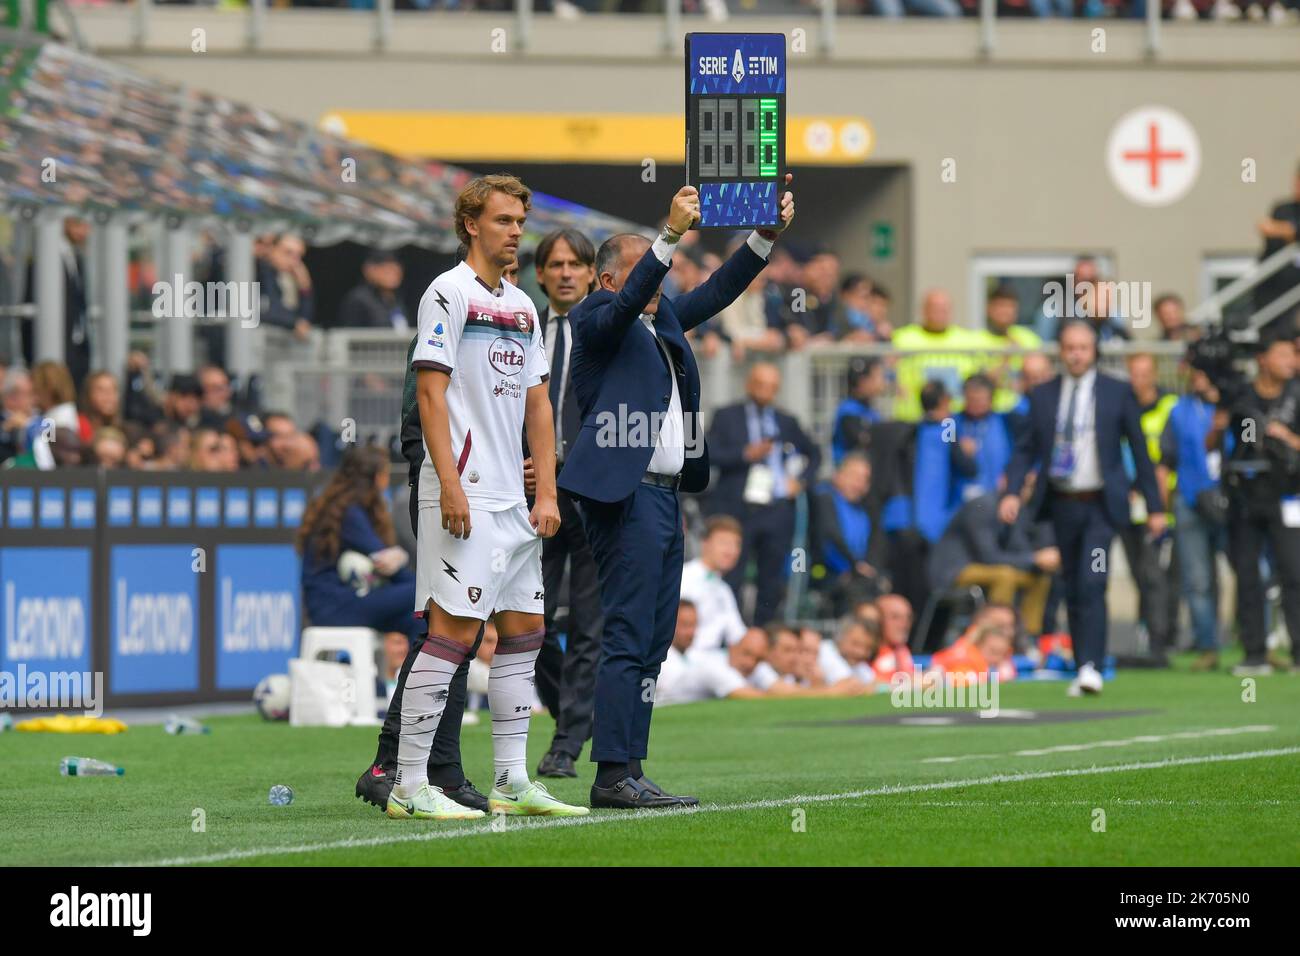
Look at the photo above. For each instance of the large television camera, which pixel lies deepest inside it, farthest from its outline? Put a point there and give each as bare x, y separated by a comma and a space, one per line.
1225, 354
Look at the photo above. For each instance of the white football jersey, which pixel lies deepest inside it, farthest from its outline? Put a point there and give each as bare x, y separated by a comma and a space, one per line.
490, 343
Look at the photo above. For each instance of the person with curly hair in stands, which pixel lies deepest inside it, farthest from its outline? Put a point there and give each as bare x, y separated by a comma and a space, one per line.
350, 517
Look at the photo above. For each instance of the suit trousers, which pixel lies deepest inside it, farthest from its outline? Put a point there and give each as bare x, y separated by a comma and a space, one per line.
1251, 528
444, 756
566, 676
767, 540
637, 544
1083, 536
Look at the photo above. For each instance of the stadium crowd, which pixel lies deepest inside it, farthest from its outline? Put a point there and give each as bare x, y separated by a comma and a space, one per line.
892, 526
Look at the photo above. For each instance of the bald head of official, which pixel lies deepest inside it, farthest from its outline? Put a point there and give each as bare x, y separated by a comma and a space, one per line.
616, 257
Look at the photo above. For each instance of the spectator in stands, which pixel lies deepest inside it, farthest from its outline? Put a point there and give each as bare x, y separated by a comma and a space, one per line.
376, 302
1200, 533
1092, 304
855, 300
894, 656
984, 438
101, 404
182, 401
777, 674
1278, 230
868, 614
108, 448
855, 415
76, 326
984, 648
173, 449
878, 306
763, 458
281, 439
17, 412
229, 451
851, 542
745, 322
56, 408
931, 343
1172, 316
1004, 334
822, 319
350, 515
216, 397
849, 655
704, 585
924, 8
285, 286
689, 674
206, 453
139, 396
811, 675
1151, 560
942, 463
1009, 562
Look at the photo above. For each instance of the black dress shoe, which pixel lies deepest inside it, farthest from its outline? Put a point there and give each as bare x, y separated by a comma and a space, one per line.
467, 796
374, 786
658, 792
628, 794
556, 764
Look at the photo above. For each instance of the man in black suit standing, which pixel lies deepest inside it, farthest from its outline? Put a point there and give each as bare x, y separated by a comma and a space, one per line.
764, 459
566, 676
1076, 424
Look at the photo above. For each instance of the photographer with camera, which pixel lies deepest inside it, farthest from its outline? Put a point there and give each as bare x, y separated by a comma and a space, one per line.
1262, 480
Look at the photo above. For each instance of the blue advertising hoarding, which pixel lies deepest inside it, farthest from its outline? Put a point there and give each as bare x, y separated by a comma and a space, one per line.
257, 613
153, 619
45, 608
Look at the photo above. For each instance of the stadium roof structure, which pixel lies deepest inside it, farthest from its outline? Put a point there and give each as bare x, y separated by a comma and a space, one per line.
82, 133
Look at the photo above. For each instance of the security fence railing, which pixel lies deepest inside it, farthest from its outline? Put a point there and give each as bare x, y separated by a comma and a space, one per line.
355, 378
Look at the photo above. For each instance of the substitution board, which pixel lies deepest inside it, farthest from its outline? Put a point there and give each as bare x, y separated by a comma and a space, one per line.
735, 126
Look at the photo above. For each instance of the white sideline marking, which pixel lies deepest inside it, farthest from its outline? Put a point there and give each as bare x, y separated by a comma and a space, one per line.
1142, 739
547, 824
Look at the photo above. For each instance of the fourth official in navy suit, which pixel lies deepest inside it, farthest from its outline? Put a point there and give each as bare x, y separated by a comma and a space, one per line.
1072, 440
638, 391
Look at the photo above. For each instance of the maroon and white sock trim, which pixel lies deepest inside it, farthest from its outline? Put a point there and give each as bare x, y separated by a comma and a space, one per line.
521, 643
445, 648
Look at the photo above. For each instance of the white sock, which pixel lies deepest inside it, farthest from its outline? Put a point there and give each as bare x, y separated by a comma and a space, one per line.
510, 698
424, 697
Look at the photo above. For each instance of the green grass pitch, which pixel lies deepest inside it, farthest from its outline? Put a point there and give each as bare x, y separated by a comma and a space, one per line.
775, 788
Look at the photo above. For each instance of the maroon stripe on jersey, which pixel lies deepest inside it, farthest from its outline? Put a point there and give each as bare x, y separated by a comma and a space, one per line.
436, 366
521, 643
464, 452
444, 648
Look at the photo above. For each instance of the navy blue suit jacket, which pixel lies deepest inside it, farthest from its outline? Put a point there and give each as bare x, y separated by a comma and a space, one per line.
616, 363
1116, 417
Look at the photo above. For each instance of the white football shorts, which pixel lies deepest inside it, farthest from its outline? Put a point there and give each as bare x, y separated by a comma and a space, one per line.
497, 568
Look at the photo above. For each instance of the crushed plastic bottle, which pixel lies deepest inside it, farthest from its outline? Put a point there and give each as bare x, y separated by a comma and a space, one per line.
280, 795
88, 767
177, 724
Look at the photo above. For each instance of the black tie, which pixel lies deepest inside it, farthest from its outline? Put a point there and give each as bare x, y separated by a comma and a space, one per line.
557, 367
1068, 432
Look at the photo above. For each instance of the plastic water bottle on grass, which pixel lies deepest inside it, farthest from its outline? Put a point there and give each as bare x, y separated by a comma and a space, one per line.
6, 723
281, 796
184, 725
88, 767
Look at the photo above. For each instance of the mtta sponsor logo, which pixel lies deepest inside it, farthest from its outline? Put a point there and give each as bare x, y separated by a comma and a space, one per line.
506, 356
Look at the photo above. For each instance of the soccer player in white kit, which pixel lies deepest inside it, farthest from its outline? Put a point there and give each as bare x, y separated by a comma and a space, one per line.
481, 380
